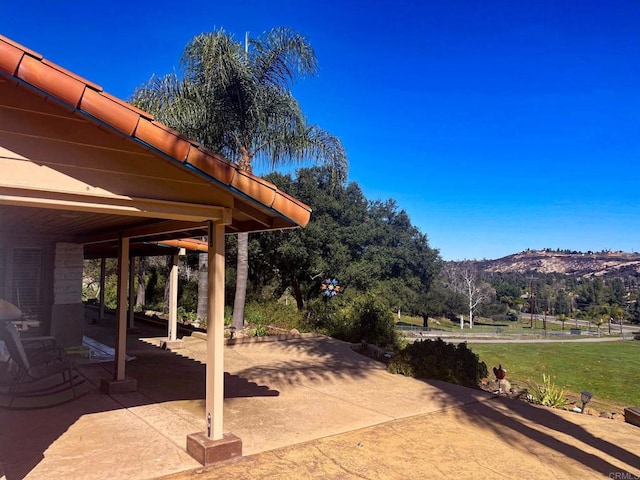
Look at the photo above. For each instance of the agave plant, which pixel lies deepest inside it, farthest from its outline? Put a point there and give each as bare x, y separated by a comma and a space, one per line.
547, 393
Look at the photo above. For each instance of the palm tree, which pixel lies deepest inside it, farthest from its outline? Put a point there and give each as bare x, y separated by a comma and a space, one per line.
563, 318
613, 312
591, 315
618, 314
599, 320
236, 100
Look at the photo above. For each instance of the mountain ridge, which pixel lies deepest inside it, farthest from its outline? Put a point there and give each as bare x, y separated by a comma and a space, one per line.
583, 264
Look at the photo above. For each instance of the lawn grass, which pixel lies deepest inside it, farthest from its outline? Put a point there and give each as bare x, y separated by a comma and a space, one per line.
610, 370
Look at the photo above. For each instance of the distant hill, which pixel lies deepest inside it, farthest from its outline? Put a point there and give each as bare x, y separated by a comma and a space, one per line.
575, 263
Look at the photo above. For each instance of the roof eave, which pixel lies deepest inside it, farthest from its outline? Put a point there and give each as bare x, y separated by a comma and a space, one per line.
89, 100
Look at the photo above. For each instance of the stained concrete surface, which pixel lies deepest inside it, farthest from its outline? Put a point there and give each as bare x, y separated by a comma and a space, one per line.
499, 438
307, 407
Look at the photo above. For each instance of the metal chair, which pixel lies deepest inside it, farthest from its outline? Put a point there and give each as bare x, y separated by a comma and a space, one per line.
41, 375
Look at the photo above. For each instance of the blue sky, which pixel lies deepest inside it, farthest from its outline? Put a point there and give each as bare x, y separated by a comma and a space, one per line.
497, 125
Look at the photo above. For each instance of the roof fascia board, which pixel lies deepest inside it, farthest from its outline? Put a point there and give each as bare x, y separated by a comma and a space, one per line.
252, 208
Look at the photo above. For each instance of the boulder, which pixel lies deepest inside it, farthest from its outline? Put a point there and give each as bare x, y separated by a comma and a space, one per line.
504, 387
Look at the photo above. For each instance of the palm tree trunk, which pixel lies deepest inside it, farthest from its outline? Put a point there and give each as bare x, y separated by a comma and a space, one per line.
242, 275
165, 298
297, 294
203, 264
142, 275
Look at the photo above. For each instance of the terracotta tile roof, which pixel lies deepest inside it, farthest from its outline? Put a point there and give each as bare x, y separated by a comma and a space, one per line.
32, 69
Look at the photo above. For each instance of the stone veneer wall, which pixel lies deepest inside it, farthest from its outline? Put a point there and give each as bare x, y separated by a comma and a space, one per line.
67, 315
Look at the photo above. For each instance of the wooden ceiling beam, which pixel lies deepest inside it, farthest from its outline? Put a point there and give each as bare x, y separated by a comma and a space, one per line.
256, 215
142, 230
112, 204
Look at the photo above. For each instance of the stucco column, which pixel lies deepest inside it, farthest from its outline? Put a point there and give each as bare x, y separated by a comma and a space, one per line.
121, 384
173, 299
213, 445
215, 332
121, 309
67, 310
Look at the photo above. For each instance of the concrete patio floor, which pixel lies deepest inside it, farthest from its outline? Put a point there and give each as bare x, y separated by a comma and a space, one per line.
307, 407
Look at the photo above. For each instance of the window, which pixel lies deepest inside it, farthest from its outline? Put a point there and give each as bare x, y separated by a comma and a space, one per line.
26, 283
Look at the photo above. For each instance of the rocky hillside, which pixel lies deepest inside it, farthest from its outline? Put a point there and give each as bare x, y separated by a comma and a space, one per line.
580, 264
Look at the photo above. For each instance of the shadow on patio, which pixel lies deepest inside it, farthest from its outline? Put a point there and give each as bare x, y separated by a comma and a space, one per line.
300, 404
494, 438
171, 391
601, 445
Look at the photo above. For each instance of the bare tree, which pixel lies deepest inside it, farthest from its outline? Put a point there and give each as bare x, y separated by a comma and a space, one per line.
463, 278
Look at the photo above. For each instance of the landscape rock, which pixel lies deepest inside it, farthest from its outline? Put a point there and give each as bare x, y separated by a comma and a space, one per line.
515, 392
505, 386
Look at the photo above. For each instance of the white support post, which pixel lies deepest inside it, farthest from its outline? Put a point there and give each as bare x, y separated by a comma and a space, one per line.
103, 274
121, 312
132, 289
215, 333
173, 300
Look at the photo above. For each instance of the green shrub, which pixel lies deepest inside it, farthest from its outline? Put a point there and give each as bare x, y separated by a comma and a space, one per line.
228, 311
439, 360
253, 315
272, 313
260, 331
363, 317
547, 393
327, 317
186, 316
373, 321
189, 295
401, 364
280, 315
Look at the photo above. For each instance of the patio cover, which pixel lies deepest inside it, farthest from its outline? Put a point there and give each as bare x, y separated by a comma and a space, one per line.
126, 166
81, 166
